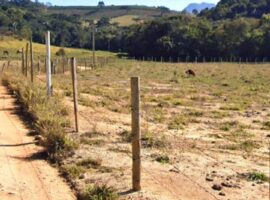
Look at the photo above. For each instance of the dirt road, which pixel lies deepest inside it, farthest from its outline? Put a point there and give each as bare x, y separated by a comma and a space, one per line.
24, 174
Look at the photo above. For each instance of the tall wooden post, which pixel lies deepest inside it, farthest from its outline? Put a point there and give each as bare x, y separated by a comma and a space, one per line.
23, 61
26, 59
75, 92
94, 43
136, 133
32, 61
48, 63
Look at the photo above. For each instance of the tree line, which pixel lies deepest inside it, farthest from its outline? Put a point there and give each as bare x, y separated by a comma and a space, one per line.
181, 36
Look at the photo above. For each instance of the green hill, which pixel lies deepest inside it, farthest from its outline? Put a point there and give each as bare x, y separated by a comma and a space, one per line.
237, 8
95, 12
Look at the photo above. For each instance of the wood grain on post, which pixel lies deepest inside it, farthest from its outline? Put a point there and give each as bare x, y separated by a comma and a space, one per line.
26, 59
32, 61
136, 133
23, 61
48, 64
75, 92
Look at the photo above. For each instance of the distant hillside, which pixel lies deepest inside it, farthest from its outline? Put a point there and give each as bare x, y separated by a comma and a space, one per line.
95, 12
233, 9
198, 6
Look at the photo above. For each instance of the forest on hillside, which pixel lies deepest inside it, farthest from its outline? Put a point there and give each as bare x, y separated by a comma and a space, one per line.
235, 28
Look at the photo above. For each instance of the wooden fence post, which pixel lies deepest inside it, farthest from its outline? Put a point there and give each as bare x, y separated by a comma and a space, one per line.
23, 61
32, 61
63, 64
75, 92
8, 64
3, 68
94, 44
38, 65
136, 133
48, 63
26, 59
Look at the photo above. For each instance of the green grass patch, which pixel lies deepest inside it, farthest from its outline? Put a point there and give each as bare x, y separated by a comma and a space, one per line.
256, 176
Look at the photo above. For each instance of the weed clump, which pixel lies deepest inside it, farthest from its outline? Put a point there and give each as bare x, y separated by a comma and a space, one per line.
163, 159
256, 176
72, 172
151, 141
178, 122
266, 125
95, 192
90, 163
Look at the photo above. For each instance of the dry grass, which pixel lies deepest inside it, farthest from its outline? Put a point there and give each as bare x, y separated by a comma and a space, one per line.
212, 114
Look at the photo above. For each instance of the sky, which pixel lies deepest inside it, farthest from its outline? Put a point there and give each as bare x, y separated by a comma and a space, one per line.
172, 4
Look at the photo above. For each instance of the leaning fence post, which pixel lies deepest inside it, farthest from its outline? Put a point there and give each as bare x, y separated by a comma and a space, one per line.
136, 133
48, 64
32, 61
75, 92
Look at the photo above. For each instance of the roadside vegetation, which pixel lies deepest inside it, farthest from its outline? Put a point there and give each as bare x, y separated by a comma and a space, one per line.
47, 115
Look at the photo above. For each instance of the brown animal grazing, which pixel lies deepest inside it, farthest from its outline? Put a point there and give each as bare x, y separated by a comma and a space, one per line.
5, 53
19, 51
190, 72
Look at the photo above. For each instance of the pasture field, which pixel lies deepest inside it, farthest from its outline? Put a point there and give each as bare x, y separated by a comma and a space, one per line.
203, 137
125, 20
94, 12
12, 45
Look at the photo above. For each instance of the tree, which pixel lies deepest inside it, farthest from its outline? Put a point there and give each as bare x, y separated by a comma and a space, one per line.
163, 10
104, 21
195, 12
101, 4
